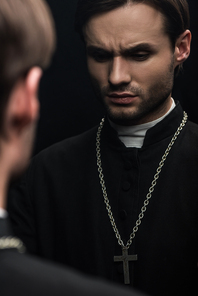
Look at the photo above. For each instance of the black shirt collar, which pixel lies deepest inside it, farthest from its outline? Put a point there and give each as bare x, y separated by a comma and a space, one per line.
162, 130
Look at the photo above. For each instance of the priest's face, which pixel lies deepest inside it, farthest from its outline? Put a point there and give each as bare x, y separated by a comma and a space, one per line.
131, 63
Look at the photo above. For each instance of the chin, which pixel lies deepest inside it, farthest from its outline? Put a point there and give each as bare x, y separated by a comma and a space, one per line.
123, 117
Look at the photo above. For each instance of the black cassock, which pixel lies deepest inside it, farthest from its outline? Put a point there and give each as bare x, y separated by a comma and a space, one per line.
24, 275
60, 214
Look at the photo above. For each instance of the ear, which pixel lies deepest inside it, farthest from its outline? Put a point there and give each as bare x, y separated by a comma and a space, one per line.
32, 85
182, 47
23, 106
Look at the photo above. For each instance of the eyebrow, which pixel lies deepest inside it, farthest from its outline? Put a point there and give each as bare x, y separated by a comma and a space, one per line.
139, 47
97, 50
128, 51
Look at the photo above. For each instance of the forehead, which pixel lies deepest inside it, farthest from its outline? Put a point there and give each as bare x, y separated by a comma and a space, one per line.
125, 26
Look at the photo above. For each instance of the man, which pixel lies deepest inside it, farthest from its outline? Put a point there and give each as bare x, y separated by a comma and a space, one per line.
27, 40
120, 201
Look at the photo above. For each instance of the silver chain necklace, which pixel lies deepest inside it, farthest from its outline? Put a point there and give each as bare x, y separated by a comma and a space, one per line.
125, 257
10, 242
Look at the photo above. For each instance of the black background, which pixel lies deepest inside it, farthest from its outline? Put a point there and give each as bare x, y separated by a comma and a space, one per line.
68, 104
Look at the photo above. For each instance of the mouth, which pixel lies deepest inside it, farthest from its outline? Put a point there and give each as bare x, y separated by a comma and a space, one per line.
122, 98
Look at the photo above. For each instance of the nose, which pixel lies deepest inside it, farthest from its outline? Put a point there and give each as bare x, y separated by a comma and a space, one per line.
119, 71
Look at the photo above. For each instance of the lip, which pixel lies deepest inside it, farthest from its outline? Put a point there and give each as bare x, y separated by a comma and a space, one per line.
122, 98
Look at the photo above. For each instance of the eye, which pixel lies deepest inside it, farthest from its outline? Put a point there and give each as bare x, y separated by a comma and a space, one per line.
140, 56
99, 56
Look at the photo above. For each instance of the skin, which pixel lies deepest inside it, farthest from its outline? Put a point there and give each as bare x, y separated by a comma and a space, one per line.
131, 63
19, 127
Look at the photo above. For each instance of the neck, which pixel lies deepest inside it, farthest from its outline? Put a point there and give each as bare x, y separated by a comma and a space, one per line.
160, 111
133, 136
156, 113
4, 180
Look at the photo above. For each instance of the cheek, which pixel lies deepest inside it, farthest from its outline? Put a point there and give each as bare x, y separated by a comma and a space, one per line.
149, 73
98, 71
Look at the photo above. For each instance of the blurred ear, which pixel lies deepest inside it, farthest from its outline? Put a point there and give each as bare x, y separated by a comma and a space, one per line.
182, 47
23, 105
32, 86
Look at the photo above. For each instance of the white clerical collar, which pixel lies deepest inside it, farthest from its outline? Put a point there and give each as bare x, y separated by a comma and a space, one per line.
3, 213
133, 136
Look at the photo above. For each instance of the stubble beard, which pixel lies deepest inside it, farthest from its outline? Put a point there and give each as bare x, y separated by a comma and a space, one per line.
151, 102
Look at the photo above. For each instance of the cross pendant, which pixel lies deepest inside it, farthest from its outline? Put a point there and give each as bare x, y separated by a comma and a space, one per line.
125, 258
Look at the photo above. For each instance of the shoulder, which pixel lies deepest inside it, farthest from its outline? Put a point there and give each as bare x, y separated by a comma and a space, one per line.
191, 132
188, 142
25, 275
70, 144
192, 126
71, 151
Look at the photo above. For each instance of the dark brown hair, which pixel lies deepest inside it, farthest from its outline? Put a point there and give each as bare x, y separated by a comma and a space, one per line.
176, 13
27, 39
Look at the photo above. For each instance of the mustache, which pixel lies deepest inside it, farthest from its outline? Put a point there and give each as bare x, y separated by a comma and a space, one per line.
121, 88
